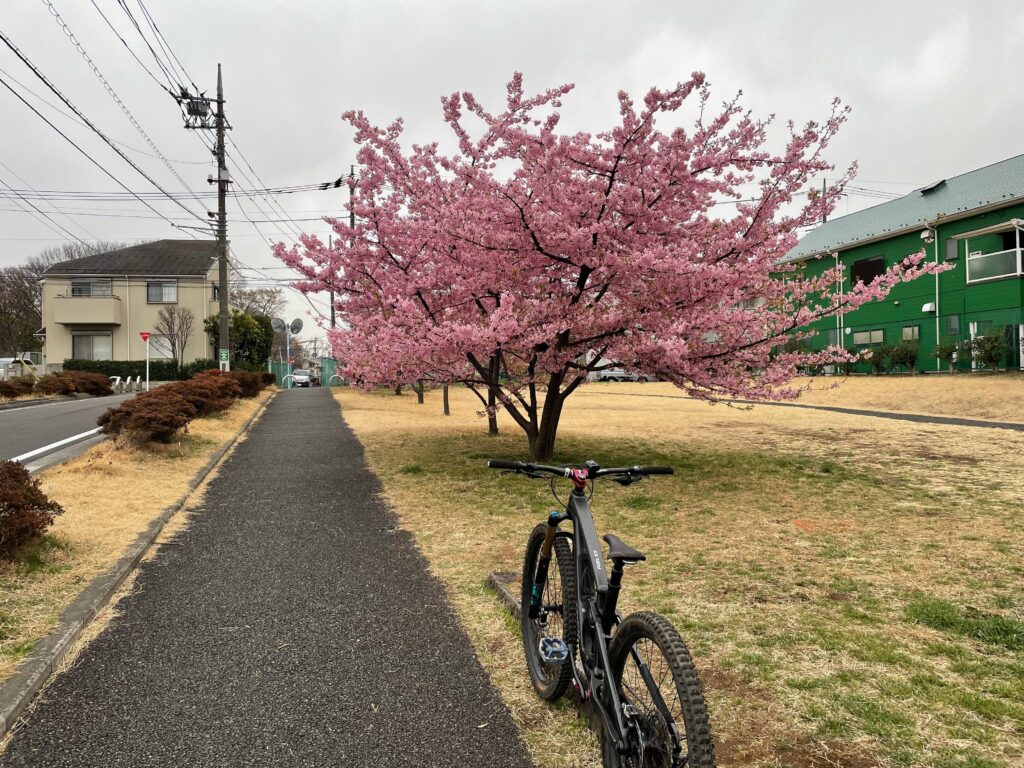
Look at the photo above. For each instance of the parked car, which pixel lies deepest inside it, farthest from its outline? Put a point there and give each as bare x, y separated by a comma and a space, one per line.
620, 374
302, 377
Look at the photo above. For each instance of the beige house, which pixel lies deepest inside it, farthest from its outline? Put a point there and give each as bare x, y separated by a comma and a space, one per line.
95, 307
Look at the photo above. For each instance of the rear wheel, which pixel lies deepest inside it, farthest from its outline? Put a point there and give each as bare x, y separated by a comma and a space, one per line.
557, 616
661, 692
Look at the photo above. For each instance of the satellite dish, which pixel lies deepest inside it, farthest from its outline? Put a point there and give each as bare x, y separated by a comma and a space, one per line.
296, 325
277, 324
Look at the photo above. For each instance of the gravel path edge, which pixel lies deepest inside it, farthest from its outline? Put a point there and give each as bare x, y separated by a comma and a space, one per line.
18, 691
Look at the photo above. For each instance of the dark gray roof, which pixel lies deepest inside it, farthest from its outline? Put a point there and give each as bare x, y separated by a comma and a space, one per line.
1000, 182
160, 257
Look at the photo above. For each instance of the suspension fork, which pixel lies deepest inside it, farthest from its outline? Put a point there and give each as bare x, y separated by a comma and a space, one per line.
543, 562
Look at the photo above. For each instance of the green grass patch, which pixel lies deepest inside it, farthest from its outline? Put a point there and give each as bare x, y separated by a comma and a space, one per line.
945, 616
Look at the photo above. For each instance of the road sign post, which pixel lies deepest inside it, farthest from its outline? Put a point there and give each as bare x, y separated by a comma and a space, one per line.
145, 338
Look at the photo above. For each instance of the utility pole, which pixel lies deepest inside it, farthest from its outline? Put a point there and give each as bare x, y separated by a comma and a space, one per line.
330, 245
197, 117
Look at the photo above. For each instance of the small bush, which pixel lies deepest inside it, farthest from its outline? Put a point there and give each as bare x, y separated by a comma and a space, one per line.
948, 352
73, 383
223, 383
197, 366
205, 399
12, 388
990, 350
268, 378
250, 383
879, 359
155, 415
904, 355
25, 511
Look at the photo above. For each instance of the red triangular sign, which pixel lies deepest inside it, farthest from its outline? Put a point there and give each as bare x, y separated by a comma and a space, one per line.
144, 335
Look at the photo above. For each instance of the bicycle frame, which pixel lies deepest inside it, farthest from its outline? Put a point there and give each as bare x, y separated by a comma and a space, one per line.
596, 599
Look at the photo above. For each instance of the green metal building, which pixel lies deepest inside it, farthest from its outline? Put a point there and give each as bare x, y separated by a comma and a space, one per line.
974, 222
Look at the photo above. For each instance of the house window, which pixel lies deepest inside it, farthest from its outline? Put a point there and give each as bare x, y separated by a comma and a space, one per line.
833, 337
90, 288
866, 270
160, 348
863, 338
953, 325
91, 346
162, 292
911, 332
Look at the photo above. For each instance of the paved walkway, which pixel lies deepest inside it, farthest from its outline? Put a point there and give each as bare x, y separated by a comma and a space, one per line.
289, 625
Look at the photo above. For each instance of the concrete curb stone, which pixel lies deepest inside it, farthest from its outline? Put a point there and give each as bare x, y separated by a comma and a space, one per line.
17, 692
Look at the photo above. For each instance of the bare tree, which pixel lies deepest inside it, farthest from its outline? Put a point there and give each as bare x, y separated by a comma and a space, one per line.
21, 302
268, 302
175, 323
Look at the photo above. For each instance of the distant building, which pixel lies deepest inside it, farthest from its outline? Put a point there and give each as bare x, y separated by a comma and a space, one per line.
95, 307
973, 222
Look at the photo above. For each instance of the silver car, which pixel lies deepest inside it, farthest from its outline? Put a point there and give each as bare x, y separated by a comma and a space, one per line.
301, 377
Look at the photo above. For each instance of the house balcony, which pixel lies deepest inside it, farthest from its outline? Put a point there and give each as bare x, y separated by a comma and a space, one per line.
88, 310
994, 266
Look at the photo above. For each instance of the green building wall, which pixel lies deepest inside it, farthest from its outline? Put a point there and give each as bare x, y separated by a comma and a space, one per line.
997, 305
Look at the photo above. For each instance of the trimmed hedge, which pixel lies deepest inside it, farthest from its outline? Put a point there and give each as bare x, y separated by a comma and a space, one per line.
12, 388
73, 383
159, 370
25, 511
158, 415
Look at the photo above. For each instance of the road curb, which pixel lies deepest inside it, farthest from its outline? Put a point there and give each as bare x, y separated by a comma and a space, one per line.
18, 691
36, 401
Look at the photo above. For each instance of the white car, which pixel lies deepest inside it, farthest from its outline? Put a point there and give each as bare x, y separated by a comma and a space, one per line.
301, 377
620, 374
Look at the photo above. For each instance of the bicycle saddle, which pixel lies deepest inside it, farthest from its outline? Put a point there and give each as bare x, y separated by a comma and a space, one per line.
620, 550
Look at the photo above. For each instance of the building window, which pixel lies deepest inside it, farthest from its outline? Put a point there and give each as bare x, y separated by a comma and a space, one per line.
162, 292
160, 348
833, 337
911, 332
988, 266
863, 338
91, 288
866, 270
1009, 239
953, 325
952, 252
91, 346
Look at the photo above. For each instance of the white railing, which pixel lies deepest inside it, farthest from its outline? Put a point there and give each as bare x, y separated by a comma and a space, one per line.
993, 266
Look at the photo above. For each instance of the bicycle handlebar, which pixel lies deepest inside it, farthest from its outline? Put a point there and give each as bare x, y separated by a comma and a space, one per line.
528, 468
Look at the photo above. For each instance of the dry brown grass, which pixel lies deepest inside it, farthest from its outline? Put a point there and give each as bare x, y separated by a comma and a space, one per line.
807, 557
996, 397
110, 495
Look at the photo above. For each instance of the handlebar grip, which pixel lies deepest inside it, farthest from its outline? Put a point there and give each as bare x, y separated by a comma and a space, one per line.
657, 470
502, 464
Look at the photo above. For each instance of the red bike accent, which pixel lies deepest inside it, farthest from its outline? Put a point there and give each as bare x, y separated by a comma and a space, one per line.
579, 477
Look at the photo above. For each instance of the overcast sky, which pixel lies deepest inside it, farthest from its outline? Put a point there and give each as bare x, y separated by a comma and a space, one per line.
934, 87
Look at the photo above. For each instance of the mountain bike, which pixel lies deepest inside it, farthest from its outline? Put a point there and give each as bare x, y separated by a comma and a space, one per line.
635, 673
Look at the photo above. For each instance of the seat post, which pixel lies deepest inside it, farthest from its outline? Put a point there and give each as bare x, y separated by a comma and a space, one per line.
612, 599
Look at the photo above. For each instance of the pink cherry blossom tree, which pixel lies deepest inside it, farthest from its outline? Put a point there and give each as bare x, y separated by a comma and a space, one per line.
529, 257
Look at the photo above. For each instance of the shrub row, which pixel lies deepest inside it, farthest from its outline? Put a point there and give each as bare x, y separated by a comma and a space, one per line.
25, 511
158, 415
159, 370
63, 383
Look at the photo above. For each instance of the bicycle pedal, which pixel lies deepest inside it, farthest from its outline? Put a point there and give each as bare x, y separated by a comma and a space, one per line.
553, 650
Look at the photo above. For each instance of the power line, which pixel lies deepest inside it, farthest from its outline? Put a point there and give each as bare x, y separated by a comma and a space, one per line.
46, 216
113, 94
7, 41
125, 42
52, 206
82, 151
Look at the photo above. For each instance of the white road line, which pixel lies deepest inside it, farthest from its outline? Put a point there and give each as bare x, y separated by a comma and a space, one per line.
54, 446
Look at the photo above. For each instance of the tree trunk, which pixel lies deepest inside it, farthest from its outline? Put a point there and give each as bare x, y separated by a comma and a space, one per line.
398, 390
492, 395
444, 397
418, 386
542, 445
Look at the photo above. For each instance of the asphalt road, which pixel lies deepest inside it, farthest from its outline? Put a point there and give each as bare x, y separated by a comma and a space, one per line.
25, 429
290, 624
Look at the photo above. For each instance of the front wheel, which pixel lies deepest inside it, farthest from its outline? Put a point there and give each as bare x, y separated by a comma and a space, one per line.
662, 697
556, 616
